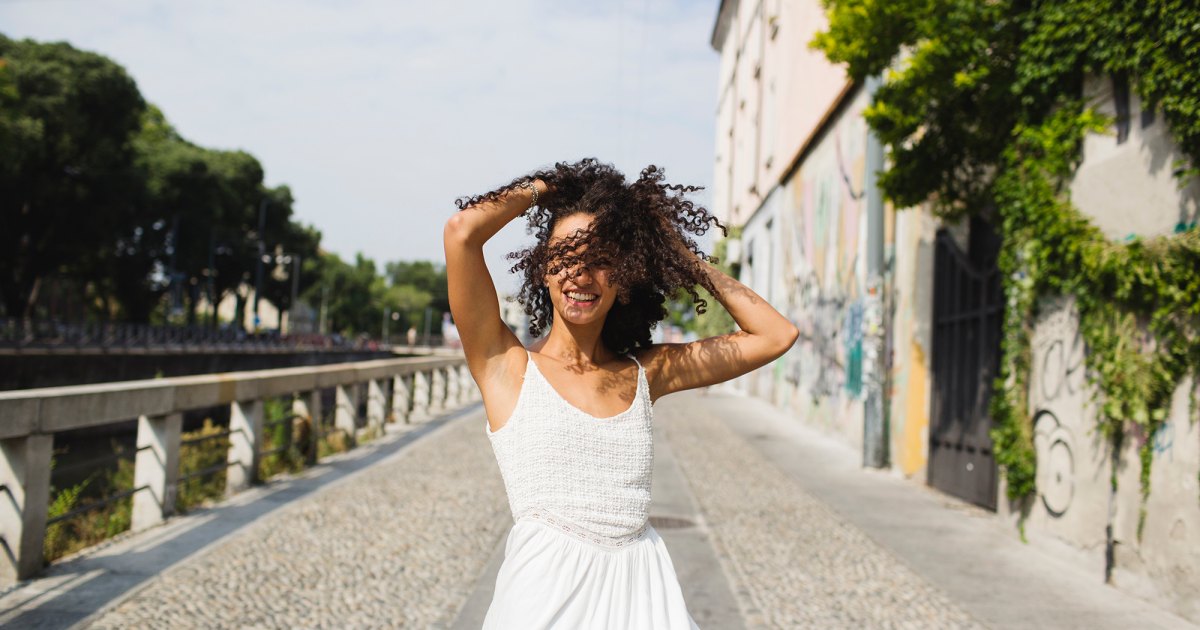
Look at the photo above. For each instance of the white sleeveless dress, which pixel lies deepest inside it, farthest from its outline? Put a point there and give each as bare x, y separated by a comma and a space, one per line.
581, 552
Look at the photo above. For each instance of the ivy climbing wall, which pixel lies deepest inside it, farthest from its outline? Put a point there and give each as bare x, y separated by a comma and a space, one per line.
1088, 485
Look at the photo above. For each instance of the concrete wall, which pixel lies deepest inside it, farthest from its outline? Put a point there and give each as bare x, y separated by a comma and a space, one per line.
804, 250
912, 340
772, 92
1126, 188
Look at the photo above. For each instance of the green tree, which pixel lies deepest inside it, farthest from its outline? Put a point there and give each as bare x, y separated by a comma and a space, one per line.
98, 189
352, 294
67, 181
204, 214
409, 303
428, 279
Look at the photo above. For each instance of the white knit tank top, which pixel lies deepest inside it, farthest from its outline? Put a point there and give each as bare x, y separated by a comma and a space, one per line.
587, 476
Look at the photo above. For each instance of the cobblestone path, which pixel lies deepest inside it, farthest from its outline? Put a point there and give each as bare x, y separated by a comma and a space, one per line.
792, 563
398, 545
402, 543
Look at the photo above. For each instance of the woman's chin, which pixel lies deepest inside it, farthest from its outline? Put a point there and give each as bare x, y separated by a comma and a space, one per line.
578, 316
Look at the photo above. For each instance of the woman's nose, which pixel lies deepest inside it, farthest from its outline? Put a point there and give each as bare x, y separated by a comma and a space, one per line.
582, 274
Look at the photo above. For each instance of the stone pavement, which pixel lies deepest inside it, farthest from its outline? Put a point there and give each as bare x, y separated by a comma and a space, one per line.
817, 541
768, 525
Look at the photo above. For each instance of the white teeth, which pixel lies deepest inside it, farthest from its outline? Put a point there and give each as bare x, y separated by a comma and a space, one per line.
581, 297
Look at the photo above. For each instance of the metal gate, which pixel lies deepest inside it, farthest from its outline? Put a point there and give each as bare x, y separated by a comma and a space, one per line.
968, 305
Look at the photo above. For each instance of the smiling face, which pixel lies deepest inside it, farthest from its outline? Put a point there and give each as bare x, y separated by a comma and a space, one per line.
584, 298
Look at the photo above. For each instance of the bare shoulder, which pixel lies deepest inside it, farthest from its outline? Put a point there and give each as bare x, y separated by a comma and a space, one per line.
654, 355
652, 359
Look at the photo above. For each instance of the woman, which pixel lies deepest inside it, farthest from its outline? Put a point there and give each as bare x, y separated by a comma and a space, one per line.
569, 419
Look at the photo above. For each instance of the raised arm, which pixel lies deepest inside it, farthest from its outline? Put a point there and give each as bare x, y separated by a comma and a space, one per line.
473, 302
764, 336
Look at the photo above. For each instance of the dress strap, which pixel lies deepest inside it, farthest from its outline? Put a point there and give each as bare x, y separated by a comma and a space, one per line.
630, 355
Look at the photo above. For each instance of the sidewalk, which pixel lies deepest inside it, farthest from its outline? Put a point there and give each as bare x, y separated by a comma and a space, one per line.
961, 551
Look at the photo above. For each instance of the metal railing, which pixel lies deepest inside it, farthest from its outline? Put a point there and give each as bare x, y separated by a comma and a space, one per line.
398, 390
55, 334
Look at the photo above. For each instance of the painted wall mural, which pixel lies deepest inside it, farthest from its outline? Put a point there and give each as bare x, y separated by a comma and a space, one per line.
912, 339
820, 233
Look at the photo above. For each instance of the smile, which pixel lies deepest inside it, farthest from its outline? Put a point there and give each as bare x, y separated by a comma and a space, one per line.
577, 298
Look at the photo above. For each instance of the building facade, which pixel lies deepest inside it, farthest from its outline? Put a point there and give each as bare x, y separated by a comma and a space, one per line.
900, 314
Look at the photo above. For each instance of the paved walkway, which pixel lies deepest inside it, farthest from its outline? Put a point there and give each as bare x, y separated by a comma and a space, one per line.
857, 548
768, 525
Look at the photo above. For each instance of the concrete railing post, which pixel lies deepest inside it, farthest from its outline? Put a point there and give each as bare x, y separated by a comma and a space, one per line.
376, 405
466, 385
245, 441
345, 410
307, 406
421, 394
156, 466
25, 479
437, 391
453, 387
401, 398
460, 390
385, 386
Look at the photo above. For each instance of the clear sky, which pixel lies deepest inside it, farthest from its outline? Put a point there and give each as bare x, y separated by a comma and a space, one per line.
379, 113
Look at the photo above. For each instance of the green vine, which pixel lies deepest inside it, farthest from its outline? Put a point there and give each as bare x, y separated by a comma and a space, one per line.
1137, 304
981, 111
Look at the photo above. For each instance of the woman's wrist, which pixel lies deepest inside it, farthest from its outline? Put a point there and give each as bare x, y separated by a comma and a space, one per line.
543, 190
534, 193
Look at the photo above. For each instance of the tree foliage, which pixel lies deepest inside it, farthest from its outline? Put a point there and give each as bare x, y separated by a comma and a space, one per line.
100, 191
355, 295
98, 188
67, 180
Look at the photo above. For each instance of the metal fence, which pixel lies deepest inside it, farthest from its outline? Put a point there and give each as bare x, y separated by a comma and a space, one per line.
57, 334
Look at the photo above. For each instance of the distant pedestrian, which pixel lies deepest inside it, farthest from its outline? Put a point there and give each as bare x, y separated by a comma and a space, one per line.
570, 418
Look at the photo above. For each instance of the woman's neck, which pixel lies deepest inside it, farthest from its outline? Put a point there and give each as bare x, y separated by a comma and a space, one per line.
576, 345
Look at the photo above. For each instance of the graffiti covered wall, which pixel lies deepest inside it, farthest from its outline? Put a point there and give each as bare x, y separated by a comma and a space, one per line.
1076, 466
814, 225
1075, 500
912, 340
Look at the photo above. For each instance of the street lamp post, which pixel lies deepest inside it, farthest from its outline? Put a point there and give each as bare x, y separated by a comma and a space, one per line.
295, 289
258, 266
324, 296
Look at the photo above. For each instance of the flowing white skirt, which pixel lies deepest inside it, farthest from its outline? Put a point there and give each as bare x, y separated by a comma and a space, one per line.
551, 579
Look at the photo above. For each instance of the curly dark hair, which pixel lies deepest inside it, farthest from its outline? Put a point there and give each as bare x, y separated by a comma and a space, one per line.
639, 231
